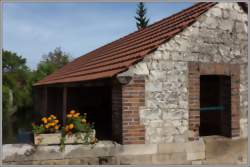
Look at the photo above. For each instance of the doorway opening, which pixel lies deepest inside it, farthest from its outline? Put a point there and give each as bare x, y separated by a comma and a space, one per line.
215, 105
96, 102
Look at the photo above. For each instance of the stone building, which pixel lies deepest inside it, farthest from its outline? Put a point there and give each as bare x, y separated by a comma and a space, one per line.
175, 82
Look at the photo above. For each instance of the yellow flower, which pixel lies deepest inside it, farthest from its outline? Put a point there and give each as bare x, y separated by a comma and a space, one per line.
45, 121
56, 127
72, 112
47, 126
67, 128
52, 116
44, 118
56, 121
76, 115
52, 124
49, 119
83, 121
69, 115
71, 126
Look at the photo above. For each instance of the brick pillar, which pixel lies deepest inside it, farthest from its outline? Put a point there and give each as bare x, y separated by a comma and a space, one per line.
126, 100
235, 100
194, 100
133, 96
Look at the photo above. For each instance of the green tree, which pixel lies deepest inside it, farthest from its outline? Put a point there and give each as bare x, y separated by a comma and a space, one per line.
51, 62
141, 19
17, 86
18, 79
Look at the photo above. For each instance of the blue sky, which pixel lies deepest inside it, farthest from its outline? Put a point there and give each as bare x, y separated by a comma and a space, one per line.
34, 29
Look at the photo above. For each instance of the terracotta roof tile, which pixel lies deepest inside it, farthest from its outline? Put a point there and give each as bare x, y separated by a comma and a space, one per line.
117, 56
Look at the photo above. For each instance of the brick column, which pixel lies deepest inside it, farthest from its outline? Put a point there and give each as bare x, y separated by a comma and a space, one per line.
125, 111
194, 100
235, 100
133, 96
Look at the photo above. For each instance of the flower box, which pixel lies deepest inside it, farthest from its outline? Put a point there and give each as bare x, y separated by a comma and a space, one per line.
55, 138
47, 139
78, 138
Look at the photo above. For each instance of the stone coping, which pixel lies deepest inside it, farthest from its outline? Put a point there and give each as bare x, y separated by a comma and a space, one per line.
26, 152
205, 150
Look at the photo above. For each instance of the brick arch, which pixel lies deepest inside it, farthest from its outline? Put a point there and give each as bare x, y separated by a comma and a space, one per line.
195, 70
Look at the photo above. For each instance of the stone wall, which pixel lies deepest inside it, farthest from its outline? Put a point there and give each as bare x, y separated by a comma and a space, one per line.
218, 36
107, 152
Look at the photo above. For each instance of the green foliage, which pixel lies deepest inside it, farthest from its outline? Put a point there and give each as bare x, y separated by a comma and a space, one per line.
141, 20
80, 124
77, 125
18, 105
38, 129
6, 103
51, 62
12, 62
17, 96
62, 143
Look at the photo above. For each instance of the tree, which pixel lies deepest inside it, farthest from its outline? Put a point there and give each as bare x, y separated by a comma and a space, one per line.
51, 62
18, 79
141, 19
17, 87
13, 62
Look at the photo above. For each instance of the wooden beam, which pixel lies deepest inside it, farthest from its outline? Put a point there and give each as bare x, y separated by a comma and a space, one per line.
64, 105
45, 100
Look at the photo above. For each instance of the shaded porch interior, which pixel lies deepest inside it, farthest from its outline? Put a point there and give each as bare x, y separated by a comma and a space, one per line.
93, 99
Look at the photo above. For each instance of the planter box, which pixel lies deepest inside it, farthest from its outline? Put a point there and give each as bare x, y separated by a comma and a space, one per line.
55, 138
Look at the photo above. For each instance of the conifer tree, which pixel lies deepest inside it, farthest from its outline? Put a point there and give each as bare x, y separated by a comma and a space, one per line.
141, 20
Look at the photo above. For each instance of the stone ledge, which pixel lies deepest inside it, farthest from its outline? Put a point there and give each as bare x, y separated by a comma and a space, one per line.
171, 148
195, 156
211, 150
171, 158
195, 146
138, 149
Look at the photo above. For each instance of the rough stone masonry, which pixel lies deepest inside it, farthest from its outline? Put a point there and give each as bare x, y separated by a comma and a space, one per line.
218, 36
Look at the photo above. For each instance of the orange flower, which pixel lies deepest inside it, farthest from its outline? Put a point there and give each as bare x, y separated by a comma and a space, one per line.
69, 115
72, 112
44, 119
71, 126
76, 115
49, 119
67, 128
56, 127
52, 116
52, 124
47, 126
56, 121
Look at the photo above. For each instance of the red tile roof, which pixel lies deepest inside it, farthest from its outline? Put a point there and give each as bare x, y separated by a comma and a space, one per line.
117, 56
